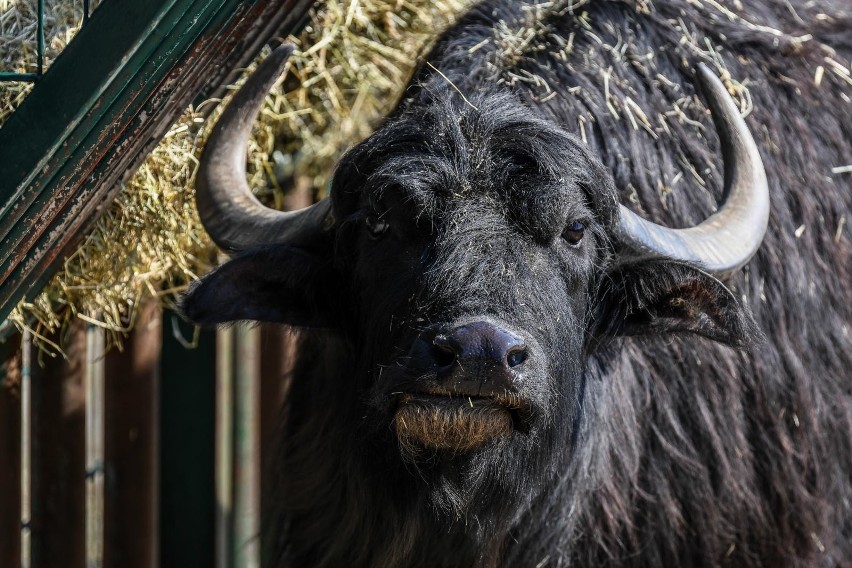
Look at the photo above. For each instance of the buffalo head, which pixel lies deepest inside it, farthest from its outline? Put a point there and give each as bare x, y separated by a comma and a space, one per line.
472, 254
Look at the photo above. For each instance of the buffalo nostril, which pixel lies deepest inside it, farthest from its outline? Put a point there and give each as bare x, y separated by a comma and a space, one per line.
443, 351
517, 356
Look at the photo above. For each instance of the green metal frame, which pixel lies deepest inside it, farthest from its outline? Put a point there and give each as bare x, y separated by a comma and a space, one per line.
102, 106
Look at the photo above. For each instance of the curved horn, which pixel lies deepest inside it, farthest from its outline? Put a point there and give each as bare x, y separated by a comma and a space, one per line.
230, 212
726, 240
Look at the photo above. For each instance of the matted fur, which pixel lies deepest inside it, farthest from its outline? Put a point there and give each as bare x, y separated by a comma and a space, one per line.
671, 450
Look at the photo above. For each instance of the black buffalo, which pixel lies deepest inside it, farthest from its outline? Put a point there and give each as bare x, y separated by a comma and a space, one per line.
504, 362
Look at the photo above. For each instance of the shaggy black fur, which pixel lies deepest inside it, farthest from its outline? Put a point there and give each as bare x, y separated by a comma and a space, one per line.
644, 447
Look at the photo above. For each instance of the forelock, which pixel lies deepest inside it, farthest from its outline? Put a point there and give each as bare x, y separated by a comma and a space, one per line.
454, 146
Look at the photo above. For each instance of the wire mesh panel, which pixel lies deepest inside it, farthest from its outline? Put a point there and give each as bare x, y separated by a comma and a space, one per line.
33, 32
39, 41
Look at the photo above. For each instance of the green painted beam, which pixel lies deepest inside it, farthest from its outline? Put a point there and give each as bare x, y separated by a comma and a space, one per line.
101, 107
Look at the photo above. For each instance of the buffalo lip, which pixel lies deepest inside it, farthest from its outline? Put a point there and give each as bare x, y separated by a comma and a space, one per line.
440, 423
520, 408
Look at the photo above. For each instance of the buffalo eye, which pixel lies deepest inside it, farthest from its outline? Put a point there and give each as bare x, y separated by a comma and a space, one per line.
574, 233
376, 226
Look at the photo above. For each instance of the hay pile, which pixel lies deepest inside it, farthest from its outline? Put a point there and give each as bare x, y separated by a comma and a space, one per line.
352, 61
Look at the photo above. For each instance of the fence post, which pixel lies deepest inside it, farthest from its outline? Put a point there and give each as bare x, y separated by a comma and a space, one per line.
224, 444
247, 448
238, 448
10, 451
131, 446
58, 463
94, 389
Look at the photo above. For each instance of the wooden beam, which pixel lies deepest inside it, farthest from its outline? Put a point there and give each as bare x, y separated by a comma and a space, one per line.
131, 512
58, 456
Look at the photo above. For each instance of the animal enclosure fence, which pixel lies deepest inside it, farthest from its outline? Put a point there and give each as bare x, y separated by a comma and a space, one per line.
150, 456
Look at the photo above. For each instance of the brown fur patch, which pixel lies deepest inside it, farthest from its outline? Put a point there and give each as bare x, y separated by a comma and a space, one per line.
449, 424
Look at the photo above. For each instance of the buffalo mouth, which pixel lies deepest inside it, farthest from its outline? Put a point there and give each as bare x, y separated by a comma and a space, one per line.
450, 421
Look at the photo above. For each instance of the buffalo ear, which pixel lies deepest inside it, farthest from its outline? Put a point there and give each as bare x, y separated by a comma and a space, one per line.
659, 297
279, 284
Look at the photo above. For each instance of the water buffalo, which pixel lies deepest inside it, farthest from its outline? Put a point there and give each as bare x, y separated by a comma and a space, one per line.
530, 338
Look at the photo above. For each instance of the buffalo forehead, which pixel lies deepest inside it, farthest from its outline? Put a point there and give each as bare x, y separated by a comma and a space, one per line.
518, 166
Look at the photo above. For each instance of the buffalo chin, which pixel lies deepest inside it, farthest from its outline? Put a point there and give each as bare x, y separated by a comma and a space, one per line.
428, 423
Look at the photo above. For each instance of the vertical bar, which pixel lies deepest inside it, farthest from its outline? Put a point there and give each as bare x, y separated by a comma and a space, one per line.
247, 448
94, 393
131, 446
26, 450
10, 450
187, 447
58, 463
85, 12
40, 33
277, 354
224, 445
